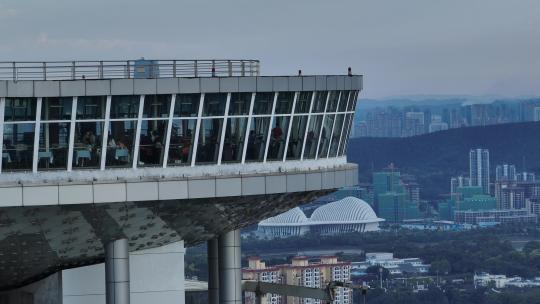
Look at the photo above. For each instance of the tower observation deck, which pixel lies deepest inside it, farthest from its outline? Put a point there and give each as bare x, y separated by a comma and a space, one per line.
153, 152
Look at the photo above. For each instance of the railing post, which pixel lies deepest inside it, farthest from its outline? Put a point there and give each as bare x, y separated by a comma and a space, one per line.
174, 68
128, 70
243, 68
195, 72
230, 68
14, 71
44, 71
73, 70
251, 68
101, 69
213, 68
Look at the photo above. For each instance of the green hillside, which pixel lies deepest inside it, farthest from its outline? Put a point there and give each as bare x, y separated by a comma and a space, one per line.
436, 157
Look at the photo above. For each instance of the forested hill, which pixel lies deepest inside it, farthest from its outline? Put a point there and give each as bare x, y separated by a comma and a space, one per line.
436, 157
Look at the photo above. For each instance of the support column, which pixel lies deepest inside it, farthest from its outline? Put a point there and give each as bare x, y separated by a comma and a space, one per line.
213, 271
117, 272
230, 275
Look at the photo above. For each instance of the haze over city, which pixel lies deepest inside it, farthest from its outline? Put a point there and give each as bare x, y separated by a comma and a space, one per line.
473, 47
278, 152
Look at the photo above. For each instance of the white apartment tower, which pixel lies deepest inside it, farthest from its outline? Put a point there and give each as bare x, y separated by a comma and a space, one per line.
479, 168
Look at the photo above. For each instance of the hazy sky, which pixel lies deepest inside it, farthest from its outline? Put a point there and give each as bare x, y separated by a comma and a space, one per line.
401, 46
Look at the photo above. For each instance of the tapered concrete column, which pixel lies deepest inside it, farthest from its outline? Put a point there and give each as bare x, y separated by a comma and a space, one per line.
117, 272
213, 271
230, 275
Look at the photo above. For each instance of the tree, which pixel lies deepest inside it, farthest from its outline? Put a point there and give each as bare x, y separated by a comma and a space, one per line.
376, 271
441, 266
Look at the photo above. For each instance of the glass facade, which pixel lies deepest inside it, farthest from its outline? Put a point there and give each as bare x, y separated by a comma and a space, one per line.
129, 131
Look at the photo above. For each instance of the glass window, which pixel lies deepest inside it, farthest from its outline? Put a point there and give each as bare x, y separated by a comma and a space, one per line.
181, 145
312, 137
157, 106
278, 136
91, 107
125, 106
53, 145
284, 102
120, 143
343, 101
87, 147
233, 144
152, 142
345, 136
263, 103
336, 134
352, 102
332, 101
320, 102
303, 103
20, 109
18, 147
240, 103
56, 108
214, 104
209, 139
325, 135
296, 139
258, 132
187, 105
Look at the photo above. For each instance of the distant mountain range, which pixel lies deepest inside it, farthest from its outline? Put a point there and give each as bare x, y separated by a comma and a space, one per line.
434, 158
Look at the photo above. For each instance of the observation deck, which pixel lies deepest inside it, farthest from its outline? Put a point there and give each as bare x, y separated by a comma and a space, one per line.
158, 151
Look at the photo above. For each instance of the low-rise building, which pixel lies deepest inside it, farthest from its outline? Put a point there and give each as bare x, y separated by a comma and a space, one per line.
394, 265
502, 281
301, 272
495, 216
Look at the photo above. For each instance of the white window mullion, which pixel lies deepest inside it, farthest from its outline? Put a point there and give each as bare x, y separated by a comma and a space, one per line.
72, 133
138, 133
248, 126
36, 135
197, 130
322, 125
270, 126
348, 134
333, 126
290, 126
2, 111
223, 128
344, 123
169, 130
307, 124
105, 137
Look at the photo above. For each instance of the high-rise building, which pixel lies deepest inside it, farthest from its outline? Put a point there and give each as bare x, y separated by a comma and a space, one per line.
536, 114
396, 197
457, 182
395, 207
505, 172
512, 198
514, 194
414, 124
301, 272
525, 177
479, 168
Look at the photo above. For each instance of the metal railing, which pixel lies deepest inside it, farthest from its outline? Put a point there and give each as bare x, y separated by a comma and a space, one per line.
141, 68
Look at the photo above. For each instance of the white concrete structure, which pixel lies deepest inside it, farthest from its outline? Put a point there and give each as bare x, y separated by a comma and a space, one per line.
350, 214
394, 265
146, 153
